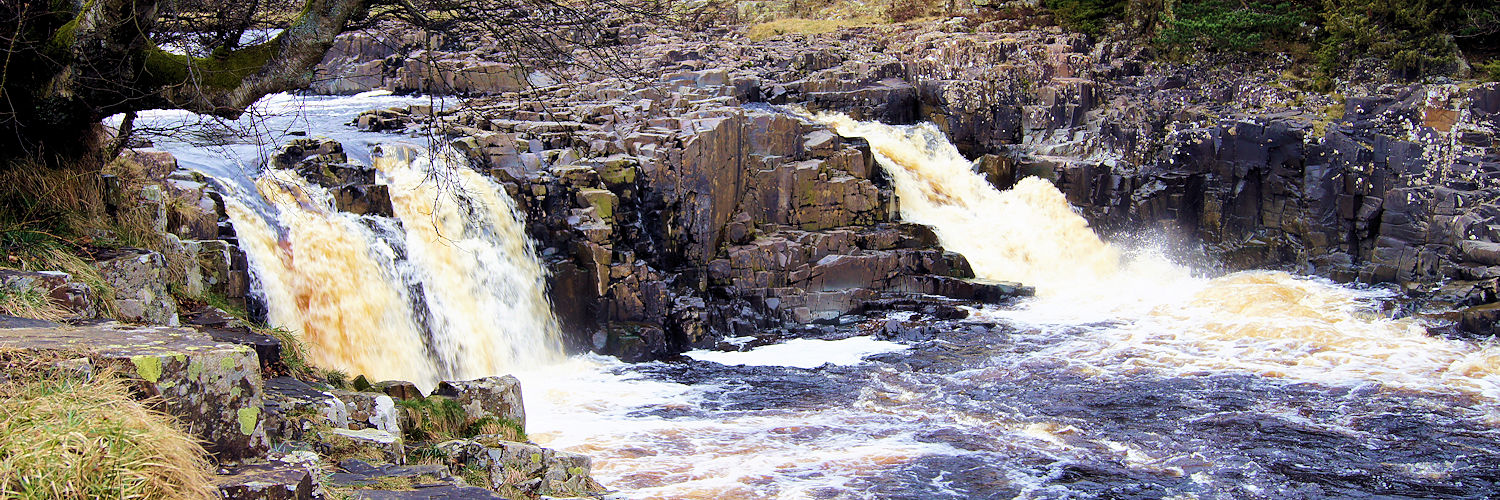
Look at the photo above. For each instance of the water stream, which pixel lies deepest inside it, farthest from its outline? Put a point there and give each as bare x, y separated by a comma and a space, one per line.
1127, 377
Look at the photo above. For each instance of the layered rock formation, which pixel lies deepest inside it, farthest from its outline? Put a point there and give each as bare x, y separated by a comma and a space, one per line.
673, 217
1379, 182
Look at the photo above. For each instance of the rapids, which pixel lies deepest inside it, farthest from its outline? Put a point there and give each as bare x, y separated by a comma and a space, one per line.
1128, 376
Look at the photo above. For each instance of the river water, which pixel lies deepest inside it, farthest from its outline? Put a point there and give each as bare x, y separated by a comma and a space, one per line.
1128, 376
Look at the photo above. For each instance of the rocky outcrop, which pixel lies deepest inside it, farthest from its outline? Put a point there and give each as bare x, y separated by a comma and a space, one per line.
282, 437
273, 480
77, 298
213, 389
322, 161
489, 397
526, 469
1377, 182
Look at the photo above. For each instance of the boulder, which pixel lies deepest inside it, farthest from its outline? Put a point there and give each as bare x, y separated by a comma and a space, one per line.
267, 481
369, 444
525, 468
1483, 252
139, 278
58, 287
495, 397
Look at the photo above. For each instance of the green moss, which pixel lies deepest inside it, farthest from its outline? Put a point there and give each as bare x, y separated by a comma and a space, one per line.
248, 417
67, 34
147, 367
222, 303
221, 71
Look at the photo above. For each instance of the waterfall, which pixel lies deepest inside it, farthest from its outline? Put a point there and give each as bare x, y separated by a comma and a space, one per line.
448, 289
1263, 322
1027, 234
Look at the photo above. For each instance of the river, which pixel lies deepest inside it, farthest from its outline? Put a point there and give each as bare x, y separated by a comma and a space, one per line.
1127, 376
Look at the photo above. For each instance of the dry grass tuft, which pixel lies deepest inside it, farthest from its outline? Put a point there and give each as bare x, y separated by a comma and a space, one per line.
801, 26
49, 255
68, 437
49, 216
30, 303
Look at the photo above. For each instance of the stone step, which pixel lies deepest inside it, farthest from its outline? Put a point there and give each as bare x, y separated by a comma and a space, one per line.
267, 481
213, 388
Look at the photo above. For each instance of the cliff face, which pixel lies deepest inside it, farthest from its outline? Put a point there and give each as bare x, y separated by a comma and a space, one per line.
678, 210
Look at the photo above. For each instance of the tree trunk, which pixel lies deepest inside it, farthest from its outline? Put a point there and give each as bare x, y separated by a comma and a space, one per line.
71, 66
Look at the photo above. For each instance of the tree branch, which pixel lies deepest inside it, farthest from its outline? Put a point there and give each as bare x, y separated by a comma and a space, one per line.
228, 82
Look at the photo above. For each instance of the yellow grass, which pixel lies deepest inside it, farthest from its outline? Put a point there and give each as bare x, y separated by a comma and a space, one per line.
65, 437
29, 303
801, 26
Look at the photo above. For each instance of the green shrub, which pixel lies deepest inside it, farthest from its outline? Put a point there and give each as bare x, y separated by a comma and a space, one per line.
1488, 71
1415, 36
1086, 16
1222, 25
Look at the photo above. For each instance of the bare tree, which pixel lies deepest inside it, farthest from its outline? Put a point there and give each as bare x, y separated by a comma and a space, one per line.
70, 63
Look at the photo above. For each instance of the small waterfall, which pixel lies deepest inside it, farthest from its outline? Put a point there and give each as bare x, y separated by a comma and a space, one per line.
1266, 323
1027, 234
450, 288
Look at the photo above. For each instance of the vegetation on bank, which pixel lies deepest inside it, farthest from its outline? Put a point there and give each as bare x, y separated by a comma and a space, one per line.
72, 434
52, 218
1414, 38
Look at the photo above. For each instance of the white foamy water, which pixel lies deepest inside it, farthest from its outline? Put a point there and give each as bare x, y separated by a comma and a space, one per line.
802, 353
661, 440
450, 289
1062, 403
1168, 320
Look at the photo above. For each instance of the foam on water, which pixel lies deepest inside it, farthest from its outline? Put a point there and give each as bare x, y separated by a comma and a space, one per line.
1158, 315
802, 353
656, 439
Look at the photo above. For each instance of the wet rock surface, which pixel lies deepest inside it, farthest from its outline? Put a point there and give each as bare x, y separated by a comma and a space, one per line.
1379, 182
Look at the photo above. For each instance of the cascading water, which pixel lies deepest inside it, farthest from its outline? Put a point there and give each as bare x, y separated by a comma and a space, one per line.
1027, 234
449, 289
1127, 377
1269, 323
